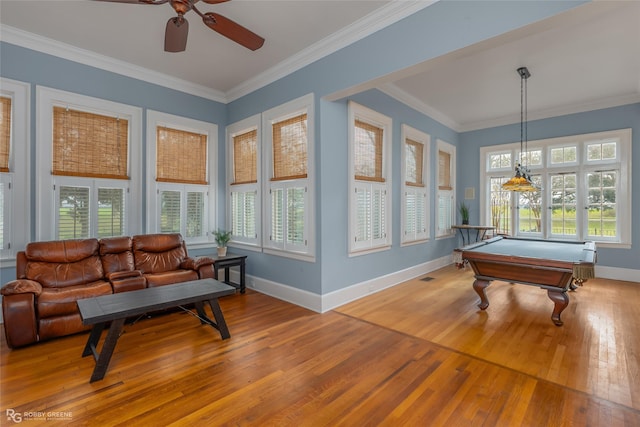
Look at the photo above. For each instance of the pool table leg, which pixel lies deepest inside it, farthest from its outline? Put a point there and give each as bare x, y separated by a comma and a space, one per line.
479, 286
560, 301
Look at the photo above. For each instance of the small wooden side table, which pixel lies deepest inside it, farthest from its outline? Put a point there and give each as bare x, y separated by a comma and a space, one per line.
481, 231
226, 262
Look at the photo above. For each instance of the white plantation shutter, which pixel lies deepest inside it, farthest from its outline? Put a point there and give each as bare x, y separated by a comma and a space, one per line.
295, 215
421, 214
371, 221
244, 214
287, 217
445, 208
111, 212
170, 211
410, 213
73, 212
195, 214
277, 216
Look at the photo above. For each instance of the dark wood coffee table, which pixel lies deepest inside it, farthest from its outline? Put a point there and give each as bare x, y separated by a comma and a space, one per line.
116, 308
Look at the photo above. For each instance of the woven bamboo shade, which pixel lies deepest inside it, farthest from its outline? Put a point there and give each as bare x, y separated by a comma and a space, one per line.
89, 145
244, 158
290, 148
5, 132
414, 161
368, 152
444, 170
181, 156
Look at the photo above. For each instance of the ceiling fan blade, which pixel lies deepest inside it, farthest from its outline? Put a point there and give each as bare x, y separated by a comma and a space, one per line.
215, 1
175, 36
233, 30
136, 1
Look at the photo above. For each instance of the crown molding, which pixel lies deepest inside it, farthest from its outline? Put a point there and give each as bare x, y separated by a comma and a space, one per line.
411, 101
615, 101
62, 50
563, 110
380, 18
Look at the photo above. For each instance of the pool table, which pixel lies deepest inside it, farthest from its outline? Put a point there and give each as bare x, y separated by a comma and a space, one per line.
552, 265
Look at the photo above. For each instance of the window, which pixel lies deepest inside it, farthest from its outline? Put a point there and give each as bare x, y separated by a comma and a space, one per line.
181, 173
370, 182
446, 202
14, 169
289, 224
86, 148
585, 193
414, 193
93, 149
243, 189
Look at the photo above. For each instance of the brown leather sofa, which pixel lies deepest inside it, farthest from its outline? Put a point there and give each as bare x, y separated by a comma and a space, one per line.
51, 276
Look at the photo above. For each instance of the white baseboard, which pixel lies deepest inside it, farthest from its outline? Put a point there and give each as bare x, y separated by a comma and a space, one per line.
324, 303
614, 273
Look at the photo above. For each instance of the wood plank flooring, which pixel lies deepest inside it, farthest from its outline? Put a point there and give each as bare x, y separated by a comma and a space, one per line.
418, 354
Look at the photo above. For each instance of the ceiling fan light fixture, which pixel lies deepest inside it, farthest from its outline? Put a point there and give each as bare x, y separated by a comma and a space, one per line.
175, 37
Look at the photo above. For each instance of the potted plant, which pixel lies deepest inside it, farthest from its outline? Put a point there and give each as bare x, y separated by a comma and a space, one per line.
222, 237
464, 213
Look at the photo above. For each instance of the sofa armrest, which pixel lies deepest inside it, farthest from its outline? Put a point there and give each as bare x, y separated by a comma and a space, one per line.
124, 281
119, 275
19, 312
21, 286
196, 263
202, 265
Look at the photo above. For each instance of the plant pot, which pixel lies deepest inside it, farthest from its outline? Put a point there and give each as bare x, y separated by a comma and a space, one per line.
465, 222
222, 251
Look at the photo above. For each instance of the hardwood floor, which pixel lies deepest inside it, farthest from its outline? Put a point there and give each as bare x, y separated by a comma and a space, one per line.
420, 353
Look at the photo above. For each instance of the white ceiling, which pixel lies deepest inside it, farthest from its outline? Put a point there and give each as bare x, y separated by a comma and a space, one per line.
583, 59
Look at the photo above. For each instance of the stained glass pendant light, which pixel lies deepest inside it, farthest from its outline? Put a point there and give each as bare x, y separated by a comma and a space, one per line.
522, 180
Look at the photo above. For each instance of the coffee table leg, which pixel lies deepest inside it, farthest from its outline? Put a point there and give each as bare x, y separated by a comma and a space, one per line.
220, 323
217, 314
204, 319
92, 342
102, 362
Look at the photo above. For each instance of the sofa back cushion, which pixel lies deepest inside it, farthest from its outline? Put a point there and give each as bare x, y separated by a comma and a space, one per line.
117, 254
157, 253
63, 263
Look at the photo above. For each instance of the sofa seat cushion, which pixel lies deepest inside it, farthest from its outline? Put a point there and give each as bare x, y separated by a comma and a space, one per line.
60, 326
62, 301
170, 277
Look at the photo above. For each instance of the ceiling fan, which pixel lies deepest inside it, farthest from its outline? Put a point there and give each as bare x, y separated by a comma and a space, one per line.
175, 37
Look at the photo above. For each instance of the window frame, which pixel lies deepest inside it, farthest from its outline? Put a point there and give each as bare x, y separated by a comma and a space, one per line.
449, 194
581, 168
17, 200
408, 132
239, 128
361, 113
154, 120
293, 108
47, 98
